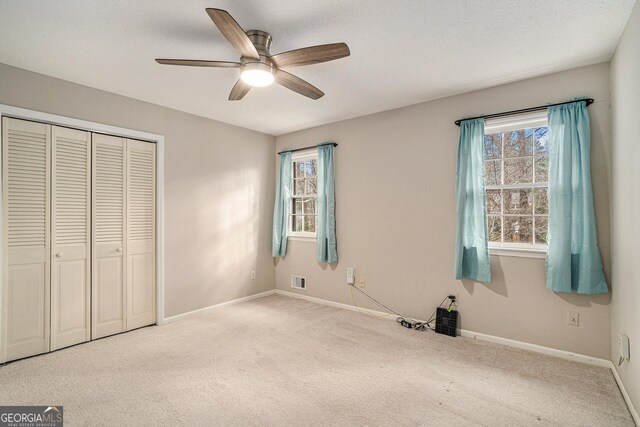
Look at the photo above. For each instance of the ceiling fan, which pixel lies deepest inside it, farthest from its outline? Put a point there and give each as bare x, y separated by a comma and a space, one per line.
258, 67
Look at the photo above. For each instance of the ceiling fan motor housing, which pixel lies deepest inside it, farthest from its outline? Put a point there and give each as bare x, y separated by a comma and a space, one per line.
261, 40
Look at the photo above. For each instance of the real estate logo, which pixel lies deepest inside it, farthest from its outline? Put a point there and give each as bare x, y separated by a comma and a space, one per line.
31, 416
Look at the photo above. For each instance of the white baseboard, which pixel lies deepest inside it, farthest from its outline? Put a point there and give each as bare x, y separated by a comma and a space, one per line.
469, 334
625, 395
213, 307
563, 354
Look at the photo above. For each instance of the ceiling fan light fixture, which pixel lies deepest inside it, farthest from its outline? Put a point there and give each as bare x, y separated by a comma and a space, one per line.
257, 74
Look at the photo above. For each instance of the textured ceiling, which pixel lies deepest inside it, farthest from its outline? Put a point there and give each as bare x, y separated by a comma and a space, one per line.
402, 52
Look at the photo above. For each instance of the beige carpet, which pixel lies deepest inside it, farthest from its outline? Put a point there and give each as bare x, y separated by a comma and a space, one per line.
282, 361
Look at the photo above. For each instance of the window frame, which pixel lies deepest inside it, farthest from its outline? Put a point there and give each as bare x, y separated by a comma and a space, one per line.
307, 236
507, 124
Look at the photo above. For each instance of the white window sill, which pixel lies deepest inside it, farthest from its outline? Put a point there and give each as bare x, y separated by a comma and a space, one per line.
520, 252
302, 238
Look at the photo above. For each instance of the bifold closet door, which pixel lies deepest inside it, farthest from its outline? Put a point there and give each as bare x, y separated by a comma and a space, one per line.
108, 241
70, 238
141, 289
26, 282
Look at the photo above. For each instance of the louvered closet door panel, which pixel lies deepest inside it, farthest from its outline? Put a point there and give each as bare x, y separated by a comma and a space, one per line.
26, 282
108, 239
141, 234
70, 238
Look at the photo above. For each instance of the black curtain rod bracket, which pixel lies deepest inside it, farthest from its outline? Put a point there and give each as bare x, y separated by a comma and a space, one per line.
589, 101
308, 148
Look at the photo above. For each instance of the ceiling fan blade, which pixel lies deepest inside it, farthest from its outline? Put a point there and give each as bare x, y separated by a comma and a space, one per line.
239, 90
199, 63
311, 55
298, 85
233, 32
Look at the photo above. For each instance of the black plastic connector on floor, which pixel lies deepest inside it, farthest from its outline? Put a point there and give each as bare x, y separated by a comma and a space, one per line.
406, 324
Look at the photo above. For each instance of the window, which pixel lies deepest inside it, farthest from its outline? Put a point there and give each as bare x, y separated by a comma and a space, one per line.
304, 184
516, 170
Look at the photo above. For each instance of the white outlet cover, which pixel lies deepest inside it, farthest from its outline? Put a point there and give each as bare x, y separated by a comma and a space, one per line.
573, 319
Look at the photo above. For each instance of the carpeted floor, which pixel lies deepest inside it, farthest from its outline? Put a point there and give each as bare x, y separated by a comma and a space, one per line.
280, 361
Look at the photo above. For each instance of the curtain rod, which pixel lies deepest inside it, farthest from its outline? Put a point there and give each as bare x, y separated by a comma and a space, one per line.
306, 148
589, 101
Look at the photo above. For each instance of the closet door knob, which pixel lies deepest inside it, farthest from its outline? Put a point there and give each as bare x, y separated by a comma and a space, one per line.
119, 250
59, 255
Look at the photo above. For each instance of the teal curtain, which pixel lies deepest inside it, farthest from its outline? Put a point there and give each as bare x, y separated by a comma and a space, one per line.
573, 258
472, 253
326, 228
281, 208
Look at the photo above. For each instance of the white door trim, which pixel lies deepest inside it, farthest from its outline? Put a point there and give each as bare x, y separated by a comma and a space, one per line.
54, 119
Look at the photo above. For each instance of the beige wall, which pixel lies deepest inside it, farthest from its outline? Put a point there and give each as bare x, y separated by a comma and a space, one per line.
625, 92
218, 187
395, 174
394, 170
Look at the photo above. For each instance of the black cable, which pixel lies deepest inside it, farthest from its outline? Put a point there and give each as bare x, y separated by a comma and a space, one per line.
376, 301
411, 323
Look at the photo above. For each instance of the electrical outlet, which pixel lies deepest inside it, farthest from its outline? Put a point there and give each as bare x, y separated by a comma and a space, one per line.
573, 319
253, 275
361, 282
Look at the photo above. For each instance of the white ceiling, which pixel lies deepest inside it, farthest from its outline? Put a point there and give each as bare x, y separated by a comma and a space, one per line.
402, 52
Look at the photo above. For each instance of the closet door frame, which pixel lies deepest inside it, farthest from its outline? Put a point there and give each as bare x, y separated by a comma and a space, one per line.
53, 119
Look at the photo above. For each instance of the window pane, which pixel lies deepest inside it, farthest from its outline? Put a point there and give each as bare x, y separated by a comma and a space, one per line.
542, 168
518, 229
540, 140
310, 186
541, 229
310, 223
518, 201
298, 169
518, 171
495, 228
298, 186
541, 201
493, 172
310, 206
493, 146
494, 202
518, 143
306, 166
297, 222
297, 206
312, 167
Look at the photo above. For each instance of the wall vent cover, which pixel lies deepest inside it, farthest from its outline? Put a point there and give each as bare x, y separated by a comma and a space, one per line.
298, 282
